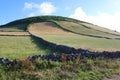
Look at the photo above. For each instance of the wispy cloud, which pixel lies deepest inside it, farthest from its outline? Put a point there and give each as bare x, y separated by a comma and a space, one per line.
102, 19
45, 8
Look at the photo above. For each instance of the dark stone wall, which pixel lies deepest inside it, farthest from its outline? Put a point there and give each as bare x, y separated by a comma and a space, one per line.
83, 52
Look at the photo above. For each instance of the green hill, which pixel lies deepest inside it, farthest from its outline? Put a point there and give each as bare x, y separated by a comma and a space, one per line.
22, 38
68, 24
68, 31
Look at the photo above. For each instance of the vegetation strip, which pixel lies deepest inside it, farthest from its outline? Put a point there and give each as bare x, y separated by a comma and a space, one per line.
69, 66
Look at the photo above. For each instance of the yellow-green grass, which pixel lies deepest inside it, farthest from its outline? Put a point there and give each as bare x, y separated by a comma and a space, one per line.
50, 32
21, 47
79, 41
87, 29
100, 28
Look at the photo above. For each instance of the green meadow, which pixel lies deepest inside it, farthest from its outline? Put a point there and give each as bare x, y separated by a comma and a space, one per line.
79, 41
21, 47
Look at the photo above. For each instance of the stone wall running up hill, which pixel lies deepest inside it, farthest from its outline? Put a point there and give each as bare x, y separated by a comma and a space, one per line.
71, 50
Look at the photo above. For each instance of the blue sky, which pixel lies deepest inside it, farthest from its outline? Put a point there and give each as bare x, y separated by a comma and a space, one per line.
105, 13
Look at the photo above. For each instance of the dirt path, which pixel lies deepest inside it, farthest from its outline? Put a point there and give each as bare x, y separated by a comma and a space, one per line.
14, 34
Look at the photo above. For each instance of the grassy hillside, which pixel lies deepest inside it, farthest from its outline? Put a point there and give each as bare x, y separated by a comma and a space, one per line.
84, 42
38, 19
47, 28
51, 32
68, 31
65, 23
88, 29
63, 20
21, 47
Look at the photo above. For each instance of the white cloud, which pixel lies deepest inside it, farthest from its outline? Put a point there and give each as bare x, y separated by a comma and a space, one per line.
28, 6
45, 8
102, 19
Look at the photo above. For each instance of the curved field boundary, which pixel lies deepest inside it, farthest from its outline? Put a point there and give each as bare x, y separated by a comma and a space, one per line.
82, 33
112, 33
47, 28
83, 52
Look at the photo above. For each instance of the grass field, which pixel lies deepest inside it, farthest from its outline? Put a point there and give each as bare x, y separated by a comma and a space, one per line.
21, 47
88, 29
79, 41
51, 32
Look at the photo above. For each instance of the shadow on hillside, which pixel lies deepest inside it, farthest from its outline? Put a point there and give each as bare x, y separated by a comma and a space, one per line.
42, 46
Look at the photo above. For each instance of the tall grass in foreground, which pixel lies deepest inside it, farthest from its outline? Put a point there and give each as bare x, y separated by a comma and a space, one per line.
78, 69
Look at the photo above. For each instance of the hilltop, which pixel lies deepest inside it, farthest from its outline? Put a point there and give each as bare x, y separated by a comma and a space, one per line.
68, 24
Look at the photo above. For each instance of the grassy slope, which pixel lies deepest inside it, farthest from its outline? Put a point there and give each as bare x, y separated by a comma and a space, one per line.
100, 28
51, 32
47, 28
79, 41
21, 47
88, 29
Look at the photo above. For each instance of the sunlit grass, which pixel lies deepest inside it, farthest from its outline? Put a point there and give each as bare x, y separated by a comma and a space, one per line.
20, 47
79, 41
48, 32
88, 29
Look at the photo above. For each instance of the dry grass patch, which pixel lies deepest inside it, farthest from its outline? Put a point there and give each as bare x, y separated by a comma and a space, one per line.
47, 28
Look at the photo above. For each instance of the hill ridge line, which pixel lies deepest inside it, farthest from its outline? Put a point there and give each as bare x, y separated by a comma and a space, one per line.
100, 30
